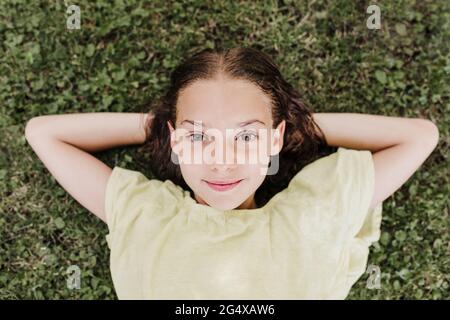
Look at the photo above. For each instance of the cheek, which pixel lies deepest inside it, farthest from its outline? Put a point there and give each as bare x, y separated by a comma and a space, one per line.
251, 156
192, 172
189, 153
256, 152
255, 173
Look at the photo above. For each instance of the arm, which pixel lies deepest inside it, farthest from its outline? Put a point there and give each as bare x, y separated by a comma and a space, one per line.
399, 145
63, 143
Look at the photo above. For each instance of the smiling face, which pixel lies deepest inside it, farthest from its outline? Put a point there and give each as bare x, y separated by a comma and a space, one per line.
226, 125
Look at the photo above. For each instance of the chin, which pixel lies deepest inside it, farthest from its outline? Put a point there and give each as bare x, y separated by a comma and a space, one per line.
221, 205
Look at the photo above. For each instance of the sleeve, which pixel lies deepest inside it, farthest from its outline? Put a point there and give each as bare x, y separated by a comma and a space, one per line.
325, 211
128, 191
336, 192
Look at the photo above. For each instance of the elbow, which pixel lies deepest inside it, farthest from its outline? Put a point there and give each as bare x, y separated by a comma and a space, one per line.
28, 129
428, 132
33, 127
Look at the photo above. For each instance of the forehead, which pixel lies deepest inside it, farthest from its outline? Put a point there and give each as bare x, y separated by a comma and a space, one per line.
223, 103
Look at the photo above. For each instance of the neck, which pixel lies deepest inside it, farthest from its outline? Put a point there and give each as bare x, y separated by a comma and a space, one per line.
250, 203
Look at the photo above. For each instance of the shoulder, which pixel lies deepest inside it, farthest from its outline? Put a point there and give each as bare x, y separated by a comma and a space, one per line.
330, 172
128, 191
330, 196
132, 182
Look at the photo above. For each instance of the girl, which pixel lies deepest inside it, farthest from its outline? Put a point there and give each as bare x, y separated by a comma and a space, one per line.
296, 224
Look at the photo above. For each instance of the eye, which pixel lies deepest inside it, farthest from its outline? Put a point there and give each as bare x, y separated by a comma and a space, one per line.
249, 136
195, 135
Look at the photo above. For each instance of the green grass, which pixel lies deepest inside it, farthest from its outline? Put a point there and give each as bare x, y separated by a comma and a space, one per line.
120, 60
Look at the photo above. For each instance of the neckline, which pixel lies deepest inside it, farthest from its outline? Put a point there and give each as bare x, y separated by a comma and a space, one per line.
198, 207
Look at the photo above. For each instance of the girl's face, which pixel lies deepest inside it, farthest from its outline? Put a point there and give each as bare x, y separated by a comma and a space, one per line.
223, 135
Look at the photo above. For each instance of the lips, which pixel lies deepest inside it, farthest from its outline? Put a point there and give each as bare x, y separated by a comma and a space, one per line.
223, 181
222, 185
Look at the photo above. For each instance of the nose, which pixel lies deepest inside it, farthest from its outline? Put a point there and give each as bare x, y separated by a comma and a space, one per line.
225, 160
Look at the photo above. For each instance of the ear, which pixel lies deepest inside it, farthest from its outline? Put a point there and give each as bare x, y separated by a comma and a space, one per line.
175, 135
277, 139
172, 134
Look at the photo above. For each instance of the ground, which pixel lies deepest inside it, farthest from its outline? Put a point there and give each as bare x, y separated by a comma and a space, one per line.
120, 60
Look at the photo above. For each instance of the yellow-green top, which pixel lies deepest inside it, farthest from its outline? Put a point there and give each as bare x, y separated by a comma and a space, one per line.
310, 241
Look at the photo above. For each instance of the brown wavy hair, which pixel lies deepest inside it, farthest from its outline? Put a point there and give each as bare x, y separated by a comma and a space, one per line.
303, 143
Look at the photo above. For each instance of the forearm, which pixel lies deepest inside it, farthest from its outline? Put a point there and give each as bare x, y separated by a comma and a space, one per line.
90, 131
373, 132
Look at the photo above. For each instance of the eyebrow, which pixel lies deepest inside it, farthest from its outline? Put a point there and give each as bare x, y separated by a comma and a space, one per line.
240, 124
